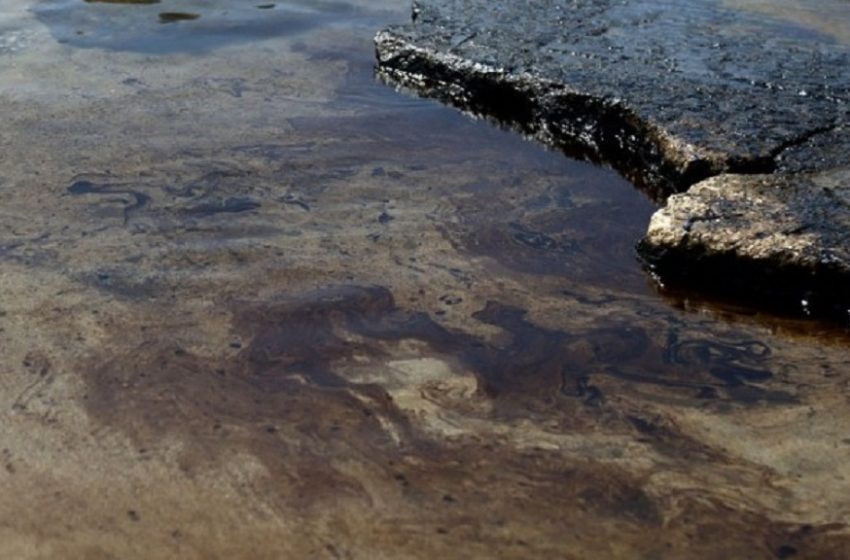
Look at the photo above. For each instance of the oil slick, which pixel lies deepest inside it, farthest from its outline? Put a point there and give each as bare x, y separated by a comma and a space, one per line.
248, 314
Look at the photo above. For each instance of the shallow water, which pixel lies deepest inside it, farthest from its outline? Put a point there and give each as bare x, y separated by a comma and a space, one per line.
185, 25
827, 17
256, 304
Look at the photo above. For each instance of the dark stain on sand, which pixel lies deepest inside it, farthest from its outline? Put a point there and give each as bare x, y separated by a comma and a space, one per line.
279, 396
287, 374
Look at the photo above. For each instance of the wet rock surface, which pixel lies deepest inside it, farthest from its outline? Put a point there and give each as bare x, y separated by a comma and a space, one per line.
245, 313
826, 150
690, 89
786, 238
669, 94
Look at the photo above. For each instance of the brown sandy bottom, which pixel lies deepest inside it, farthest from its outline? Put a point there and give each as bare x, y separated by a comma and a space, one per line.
255, 305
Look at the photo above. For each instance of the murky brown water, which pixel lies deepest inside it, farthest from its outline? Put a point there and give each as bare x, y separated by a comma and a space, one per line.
257, 305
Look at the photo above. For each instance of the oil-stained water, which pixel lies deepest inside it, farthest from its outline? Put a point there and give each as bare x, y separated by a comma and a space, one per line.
255, 304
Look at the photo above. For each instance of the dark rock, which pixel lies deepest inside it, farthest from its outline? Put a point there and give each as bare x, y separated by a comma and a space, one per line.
778, 239
825, 150
670, 94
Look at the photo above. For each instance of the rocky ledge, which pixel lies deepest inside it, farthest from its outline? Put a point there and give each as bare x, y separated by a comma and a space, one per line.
745, 113
779, 239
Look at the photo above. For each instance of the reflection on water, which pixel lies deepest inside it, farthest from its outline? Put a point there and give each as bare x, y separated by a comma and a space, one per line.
280, 305
829, 17
207, 24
